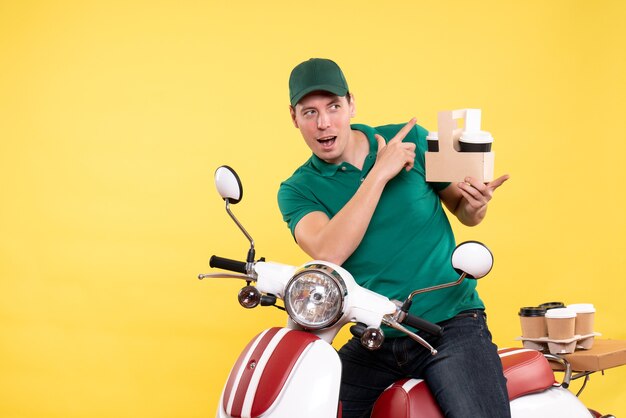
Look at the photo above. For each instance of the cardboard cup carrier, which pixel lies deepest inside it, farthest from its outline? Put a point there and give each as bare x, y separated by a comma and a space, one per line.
562, 329
456, 153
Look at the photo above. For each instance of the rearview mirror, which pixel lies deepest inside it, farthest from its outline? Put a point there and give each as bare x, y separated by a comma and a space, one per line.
228, 184
472, 258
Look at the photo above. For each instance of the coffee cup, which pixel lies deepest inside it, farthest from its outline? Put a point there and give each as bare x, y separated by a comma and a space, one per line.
475, 141
532, 320
561, 323
585, 313
433, 141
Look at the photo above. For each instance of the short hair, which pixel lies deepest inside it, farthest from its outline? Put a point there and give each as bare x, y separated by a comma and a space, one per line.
348, 96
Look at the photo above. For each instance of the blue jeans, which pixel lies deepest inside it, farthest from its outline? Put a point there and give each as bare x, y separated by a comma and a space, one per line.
465, 376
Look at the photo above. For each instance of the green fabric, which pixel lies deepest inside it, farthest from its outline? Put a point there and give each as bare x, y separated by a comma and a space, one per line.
409, 241
314, 75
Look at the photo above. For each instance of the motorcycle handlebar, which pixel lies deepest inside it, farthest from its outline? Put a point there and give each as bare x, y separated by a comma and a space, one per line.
422, 324
228, 264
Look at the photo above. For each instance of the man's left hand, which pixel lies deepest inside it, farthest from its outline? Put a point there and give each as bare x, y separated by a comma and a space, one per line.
478, 194
468, 200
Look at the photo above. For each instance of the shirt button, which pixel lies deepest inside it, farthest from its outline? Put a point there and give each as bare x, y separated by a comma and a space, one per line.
343, 168
362, 178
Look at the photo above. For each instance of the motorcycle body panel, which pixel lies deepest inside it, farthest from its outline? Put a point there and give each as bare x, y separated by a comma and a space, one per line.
273, 277
551, 403
360, 304
274, 371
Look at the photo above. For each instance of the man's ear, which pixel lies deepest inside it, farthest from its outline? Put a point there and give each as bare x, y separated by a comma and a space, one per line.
352, 106
292, 112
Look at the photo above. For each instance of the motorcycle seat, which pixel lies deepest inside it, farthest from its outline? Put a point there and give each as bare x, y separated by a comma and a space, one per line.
527, 371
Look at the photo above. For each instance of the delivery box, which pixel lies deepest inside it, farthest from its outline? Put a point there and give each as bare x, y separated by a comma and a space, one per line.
604, 354
460, 152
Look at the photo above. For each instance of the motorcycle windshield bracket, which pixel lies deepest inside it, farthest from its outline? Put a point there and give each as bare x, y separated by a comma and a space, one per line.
251, 252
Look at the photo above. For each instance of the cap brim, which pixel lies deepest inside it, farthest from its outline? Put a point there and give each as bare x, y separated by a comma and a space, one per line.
336, 90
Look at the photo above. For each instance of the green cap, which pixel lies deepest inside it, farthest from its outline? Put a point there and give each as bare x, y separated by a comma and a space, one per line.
316, 74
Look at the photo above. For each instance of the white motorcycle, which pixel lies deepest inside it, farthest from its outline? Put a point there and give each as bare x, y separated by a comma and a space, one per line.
294, 371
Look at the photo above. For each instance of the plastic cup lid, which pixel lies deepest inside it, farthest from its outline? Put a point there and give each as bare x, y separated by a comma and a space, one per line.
552, 305
532, 311
433, 136
477, 137
582, 307
560, 313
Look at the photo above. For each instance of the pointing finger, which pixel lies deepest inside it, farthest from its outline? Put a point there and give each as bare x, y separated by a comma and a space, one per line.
404, 131
498, 182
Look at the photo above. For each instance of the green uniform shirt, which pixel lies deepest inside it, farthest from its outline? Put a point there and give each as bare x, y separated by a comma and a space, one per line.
408, 242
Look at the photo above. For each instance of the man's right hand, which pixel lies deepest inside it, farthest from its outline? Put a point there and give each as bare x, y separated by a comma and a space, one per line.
394, 155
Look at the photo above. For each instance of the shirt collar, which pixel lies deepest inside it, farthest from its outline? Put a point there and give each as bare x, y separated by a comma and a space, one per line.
329, 170
324, 168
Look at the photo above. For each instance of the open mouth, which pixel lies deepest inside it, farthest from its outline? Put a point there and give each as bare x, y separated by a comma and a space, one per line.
327, 141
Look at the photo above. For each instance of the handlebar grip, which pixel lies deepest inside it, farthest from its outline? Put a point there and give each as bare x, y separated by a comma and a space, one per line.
422, 324
228, 264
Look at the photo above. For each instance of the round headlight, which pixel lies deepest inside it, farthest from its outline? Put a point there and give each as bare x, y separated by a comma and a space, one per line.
314, 297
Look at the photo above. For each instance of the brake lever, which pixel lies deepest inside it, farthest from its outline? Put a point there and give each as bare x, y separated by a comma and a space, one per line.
391, 322
246, 277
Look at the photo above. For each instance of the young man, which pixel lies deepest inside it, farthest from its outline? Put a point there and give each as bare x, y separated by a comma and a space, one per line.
362, 201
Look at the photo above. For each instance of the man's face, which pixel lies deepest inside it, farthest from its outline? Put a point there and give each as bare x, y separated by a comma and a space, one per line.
324, 121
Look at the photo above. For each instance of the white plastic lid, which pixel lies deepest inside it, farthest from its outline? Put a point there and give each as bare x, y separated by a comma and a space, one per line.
582, 307
477, 137
433, 136
560, 313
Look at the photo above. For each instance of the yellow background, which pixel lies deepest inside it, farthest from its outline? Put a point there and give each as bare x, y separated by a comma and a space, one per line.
114, 115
